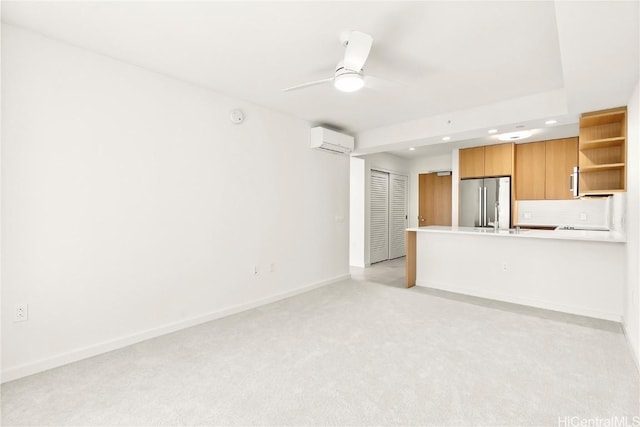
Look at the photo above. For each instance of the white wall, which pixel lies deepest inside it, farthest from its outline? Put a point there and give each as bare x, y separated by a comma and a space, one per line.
132, 206
387, 162
632, 312
357, 212
418, 166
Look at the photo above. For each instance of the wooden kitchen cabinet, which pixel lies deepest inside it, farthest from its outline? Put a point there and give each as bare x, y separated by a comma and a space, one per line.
530, 171
560, 159
489, 160
498, 159
543, 169
471, 162
602, 151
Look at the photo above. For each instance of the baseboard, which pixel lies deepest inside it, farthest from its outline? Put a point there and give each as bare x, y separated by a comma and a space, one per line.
581, 311
96, 349
634, 356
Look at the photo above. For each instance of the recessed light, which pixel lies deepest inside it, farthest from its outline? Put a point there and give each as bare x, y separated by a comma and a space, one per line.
515, 136
412, 149
493, 130
551, 122
446, 138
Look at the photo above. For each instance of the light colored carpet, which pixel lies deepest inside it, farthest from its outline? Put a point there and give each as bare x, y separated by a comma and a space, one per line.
390, 273
352, 353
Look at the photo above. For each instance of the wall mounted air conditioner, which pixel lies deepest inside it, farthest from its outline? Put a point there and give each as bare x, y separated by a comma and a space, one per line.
330, 140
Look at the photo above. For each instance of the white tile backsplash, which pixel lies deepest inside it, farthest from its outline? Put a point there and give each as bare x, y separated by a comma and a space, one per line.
589, 212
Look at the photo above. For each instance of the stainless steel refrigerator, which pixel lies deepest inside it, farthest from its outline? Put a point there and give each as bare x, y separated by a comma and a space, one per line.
484, 199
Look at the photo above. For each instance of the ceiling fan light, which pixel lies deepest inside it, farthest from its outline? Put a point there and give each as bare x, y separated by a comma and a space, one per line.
348, 82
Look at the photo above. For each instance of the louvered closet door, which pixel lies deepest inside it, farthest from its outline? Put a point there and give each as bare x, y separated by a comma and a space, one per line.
397, 215
379, 211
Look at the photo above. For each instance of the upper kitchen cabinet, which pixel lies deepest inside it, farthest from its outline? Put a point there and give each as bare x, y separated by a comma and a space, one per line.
490, 160
602, 151
561, 156
543, 169
498, 159
472, 162
530, 171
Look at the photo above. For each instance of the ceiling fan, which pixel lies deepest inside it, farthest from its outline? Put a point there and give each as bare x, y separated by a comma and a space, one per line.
349, 76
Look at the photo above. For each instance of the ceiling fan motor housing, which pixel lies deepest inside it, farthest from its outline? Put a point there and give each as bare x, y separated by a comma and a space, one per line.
340, 70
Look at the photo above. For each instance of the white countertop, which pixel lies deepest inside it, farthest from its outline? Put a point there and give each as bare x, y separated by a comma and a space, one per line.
589, 235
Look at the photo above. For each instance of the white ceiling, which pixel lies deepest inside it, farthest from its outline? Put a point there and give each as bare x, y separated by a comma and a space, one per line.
450, 56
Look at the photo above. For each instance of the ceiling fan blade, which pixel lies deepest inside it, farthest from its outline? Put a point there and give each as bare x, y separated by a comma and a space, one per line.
357, 50
302, 86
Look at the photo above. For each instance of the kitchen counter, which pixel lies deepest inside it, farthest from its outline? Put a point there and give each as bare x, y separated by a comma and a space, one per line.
573, 271
588, 235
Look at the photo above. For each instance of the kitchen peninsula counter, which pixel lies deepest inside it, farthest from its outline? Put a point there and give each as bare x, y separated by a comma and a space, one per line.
592, 235
573, 271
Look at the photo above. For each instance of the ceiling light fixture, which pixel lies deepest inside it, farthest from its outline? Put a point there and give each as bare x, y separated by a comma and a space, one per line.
515, 136
492, 131
551, 122
446, 138
412, 149
348, 82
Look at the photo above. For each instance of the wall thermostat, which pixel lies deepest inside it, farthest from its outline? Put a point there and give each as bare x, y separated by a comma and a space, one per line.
236, 116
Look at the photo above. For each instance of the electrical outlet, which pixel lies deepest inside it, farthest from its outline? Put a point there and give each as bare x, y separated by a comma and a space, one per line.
504, 267
255, 270
527, 215
583, 216
21, 313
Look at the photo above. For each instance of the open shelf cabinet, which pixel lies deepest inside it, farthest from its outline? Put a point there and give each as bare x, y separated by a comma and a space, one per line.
602, 151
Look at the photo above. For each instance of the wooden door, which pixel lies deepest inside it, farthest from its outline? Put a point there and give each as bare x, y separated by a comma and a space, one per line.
498, 160
561, 157
471, 162
434, 199
530, 171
